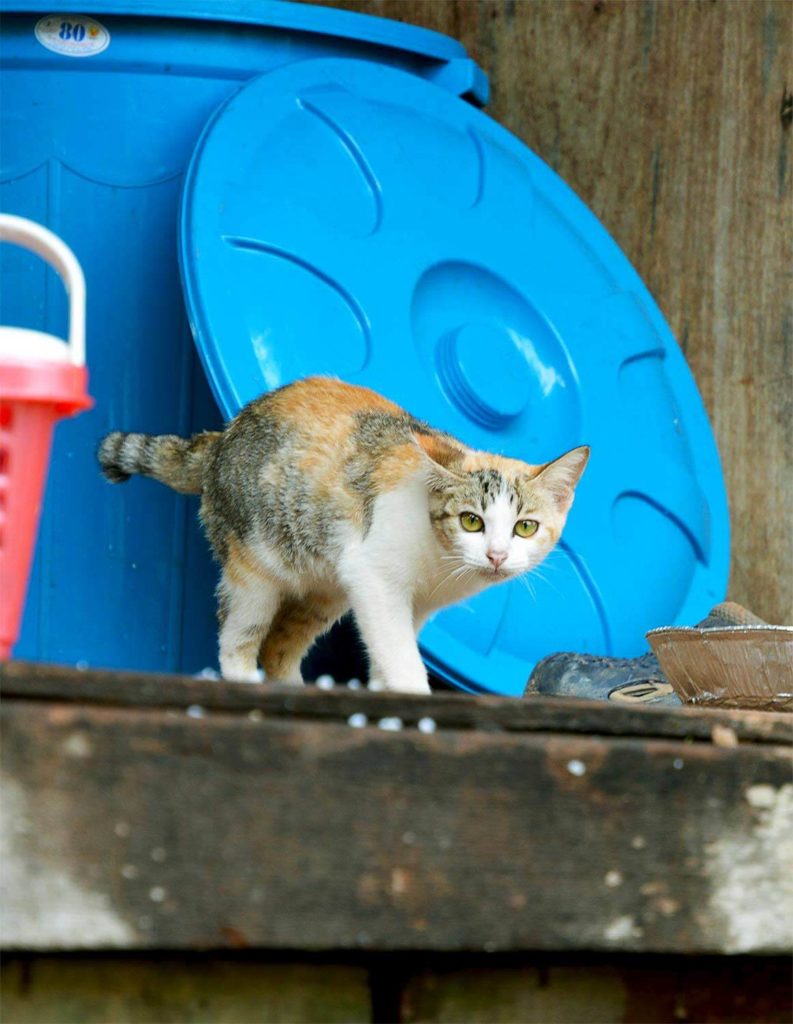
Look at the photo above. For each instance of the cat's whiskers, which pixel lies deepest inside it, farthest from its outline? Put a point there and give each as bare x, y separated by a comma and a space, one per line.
464, 572
540, 575
457, 574
446, 578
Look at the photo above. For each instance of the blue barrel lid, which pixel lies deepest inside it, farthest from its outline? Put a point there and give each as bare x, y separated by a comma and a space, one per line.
346, 218
298, 17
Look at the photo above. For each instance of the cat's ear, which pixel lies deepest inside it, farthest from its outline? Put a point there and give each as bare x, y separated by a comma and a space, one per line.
561, 476
443, 458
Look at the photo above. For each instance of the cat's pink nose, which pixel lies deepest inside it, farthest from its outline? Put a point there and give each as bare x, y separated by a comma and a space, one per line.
496, 558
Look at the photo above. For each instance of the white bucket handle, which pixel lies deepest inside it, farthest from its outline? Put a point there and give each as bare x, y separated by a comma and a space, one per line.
42, 241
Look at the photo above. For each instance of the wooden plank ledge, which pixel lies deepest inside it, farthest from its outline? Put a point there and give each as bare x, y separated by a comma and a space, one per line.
33, 681
145, 812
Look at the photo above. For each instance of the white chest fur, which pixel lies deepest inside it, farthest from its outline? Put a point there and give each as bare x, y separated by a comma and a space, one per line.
403, 546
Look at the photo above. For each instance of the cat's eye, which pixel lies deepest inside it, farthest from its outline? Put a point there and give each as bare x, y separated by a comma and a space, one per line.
526, 527
472, 523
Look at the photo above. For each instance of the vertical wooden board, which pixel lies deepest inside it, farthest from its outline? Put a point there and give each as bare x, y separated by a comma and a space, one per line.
650, 990
557, 995
672, 121
182, 991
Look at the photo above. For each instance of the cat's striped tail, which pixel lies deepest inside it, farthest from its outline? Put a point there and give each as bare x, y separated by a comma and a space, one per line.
175, 461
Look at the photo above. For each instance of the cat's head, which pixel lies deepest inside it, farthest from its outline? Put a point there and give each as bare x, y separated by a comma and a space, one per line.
498, 516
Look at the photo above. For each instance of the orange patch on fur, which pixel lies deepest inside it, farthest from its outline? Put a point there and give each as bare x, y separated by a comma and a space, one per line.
324, 410
441, 450
296, 625
328, 405
397, 466
240, 565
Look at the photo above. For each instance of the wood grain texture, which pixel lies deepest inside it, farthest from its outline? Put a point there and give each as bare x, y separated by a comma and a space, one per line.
33, 681
261, 988
48, 990
150, 828
672, 120
646, 990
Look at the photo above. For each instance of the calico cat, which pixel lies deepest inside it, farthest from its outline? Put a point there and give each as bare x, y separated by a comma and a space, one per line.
322, 497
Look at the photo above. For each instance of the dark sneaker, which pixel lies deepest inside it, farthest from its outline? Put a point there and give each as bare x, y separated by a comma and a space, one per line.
632, 680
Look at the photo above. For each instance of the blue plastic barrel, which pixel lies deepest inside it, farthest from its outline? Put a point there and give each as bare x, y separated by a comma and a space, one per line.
101, 111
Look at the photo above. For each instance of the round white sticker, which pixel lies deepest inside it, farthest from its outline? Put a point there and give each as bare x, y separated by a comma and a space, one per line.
73, 35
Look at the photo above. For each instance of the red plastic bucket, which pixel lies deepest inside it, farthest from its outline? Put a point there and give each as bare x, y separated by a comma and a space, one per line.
34, 394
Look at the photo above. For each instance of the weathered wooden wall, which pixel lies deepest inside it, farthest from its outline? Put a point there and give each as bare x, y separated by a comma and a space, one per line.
672, 120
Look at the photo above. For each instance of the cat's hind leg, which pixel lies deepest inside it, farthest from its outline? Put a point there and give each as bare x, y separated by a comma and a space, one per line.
298, 622
247, 605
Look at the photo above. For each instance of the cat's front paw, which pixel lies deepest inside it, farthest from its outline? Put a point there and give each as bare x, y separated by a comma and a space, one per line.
419, 687
241, 674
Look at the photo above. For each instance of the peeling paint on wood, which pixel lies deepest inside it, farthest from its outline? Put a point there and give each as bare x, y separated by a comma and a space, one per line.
752, 873
42, 903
